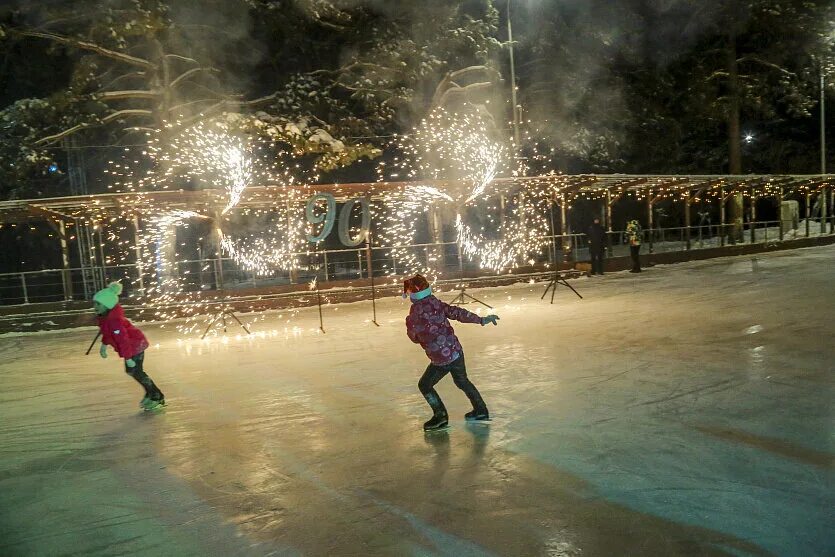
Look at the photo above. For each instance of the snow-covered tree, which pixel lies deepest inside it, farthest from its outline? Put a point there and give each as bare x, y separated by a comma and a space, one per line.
329, 70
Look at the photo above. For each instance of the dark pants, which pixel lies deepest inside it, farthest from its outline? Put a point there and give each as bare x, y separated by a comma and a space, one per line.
151, 390
458, 369
635, 252
596, 253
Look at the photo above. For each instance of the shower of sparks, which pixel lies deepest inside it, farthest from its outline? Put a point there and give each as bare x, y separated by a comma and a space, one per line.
461, 155
460, 148
211, 152
212, 156
276, 248
165, 294
209, 155
397, 217
452, 160
518, 236
163, 233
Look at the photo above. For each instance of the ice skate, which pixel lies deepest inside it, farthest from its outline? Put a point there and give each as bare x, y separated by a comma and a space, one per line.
438, 421
154, 404
477, 416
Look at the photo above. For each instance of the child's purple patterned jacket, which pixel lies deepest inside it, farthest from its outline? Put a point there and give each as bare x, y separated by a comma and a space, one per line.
428, 325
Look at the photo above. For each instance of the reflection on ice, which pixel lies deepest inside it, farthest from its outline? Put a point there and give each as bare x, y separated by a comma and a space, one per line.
687, 410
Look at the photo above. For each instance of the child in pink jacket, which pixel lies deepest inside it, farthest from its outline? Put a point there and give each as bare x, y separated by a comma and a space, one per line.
428, 325
129, 342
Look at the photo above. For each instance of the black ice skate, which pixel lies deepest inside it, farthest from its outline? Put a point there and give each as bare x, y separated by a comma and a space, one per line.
477, 415
438, 421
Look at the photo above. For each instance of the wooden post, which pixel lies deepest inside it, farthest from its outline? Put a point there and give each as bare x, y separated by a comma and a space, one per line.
219, 270
780, 210
609, 222
687, 220
649, 220
368, 258
294, 274
436, 232
371, 278
553, 252
138, 250
566, 246
91, 256
66, 274
23, 286
104, 279
217, 236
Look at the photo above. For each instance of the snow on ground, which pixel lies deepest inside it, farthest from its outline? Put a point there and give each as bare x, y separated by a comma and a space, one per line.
686, 410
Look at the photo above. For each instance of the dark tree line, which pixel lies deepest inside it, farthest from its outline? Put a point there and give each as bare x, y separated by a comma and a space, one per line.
640, 86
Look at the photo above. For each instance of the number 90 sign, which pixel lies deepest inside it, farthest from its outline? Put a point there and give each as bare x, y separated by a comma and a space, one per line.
328, 217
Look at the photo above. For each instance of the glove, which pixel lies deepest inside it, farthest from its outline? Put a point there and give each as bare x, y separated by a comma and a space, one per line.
130, 363
489, 319
103, 351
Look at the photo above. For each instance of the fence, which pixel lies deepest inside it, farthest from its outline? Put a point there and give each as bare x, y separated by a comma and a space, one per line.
58, 285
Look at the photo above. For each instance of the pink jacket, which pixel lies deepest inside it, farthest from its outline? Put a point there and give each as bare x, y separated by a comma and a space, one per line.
119, 333
428, 325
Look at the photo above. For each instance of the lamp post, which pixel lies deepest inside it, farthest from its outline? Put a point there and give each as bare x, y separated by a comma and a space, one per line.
824, 193
822, 123
512, 78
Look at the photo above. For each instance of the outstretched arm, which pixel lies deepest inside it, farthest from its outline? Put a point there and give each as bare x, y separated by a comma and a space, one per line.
460, 314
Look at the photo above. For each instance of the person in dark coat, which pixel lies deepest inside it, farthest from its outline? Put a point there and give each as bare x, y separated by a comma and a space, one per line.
597, 246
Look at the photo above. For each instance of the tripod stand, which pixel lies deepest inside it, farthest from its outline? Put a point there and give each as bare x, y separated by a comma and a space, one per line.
221, 315
552, 285
463, 297
558, 278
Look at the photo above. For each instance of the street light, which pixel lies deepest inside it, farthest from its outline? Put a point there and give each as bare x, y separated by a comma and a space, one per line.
825, 194
823, 122
830, 194
512, 78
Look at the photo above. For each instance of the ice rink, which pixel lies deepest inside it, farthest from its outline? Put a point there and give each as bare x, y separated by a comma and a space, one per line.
688, 410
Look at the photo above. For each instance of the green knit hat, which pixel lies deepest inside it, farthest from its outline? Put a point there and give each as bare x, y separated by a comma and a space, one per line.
109, 296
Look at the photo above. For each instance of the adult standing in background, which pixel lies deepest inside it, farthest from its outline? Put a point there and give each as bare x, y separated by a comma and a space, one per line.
633, 236
597, 246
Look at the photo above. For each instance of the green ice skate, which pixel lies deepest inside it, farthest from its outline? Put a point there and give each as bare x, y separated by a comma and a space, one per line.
152, 404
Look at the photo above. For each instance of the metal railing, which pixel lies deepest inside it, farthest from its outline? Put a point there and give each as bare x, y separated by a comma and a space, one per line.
59, 285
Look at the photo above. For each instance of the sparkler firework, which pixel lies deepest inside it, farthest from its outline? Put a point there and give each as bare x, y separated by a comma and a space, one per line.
210, 155
451, 160
460, 156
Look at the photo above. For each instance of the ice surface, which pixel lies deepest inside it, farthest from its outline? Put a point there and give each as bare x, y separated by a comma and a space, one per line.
686, 410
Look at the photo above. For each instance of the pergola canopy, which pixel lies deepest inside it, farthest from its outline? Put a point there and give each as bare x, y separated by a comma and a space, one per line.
563, 187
